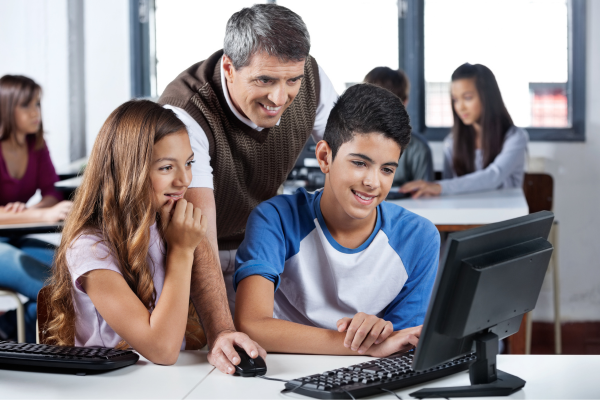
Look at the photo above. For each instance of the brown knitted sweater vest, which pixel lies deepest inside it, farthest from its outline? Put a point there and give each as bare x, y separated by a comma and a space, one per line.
248, 165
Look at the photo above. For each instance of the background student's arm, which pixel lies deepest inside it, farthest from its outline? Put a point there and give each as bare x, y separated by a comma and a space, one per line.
254, 315
512, 156
56, 213
157, 335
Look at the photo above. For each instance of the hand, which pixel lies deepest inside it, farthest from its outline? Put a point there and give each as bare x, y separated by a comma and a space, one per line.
57, 212
364, 330
223, 355
15, 207
421, 188
184, 225
402, 340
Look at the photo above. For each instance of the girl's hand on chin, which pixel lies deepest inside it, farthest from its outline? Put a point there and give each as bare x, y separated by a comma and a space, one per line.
184, 224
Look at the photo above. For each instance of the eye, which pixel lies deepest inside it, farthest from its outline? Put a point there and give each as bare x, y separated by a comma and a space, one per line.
388, 171
359, 163
189, 163
166, 168
264, 81
295, 80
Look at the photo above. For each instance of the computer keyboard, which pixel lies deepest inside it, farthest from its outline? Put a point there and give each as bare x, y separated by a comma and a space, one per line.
42, 357
369, 378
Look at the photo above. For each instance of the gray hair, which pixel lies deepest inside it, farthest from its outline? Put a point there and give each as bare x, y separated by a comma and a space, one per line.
273, 29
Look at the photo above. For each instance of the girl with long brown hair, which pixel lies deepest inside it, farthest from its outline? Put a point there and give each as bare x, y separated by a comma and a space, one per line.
484, 150
123, 268
25, 167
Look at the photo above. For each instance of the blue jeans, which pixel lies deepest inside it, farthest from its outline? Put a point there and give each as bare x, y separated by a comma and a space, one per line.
25, 265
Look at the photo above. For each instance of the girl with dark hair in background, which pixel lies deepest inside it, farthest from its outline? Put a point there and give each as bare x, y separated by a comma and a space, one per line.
123, 268
484, 150
25, 167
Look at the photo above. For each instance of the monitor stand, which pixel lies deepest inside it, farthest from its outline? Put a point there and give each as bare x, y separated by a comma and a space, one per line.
486, 380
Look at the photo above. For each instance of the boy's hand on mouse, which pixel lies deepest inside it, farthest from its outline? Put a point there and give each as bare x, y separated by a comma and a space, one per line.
402, 340
184, 224
364, 330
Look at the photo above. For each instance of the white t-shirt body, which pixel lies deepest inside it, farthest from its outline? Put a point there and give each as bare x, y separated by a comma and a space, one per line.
88, 253
202, 175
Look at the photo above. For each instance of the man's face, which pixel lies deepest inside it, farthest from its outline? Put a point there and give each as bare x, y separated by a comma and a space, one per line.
264, 89
362, 173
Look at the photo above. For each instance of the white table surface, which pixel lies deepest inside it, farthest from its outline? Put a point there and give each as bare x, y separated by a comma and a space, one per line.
72, 183
547, 377
469, 209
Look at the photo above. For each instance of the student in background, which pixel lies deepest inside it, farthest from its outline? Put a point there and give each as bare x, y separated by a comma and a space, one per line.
416, 162
484, 150
25, 167
123, 268
340, 271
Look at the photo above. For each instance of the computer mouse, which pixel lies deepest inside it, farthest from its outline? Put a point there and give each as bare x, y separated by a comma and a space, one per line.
249, 366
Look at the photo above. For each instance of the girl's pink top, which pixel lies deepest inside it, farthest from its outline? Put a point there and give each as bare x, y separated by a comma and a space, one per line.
40, 174
88, 253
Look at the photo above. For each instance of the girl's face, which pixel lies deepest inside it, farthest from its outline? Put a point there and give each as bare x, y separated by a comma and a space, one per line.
28, 117
171, 168
466, 101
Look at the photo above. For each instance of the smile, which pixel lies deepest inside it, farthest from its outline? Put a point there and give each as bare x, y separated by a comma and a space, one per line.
269, 108
365, 199
175, 196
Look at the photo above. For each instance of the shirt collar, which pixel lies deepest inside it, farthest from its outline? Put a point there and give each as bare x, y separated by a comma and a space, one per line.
232, 107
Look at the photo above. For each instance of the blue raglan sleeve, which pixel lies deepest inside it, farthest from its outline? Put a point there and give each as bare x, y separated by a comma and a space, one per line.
264, 247
408, 309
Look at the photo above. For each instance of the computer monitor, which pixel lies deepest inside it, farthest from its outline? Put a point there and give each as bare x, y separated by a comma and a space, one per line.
488, 278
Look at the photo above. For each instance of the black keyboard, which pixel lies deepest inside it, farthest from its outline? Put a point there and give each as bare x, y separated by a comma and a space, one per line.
42, 357
368, 378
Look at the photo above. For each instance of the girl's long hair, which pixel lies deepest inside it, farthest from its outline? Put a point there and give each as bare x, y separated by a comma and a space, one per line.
17, 91
495, 121
114, 202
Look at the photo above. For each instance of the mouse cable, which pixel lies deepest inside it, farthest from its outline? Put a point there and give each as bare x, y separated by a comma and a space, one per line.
394, 393
271, 379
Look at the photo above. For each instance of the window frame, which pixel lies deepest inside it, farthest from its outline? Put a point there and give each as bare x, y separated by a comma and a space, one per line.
412, 59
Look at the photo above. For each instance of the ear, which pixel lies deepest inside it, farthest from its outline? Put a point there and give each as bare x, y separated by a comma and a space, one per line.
228, 68
324, 156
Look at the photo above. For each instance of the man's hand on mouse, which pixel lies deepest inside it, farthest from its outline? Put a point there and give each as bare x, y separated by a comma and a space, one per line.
223, 355
364, 330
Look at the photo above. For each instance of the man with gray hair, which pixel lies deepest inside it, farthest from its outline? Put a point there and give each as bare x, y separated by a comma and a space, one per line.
249, 110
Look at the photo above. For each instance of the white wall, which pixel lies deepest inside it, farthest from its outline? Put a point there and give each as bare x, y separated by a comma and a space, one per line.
107, 66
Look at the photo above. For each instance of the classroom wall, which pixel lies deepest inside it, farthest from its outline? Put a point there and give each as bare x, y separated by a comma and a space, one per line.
34, 42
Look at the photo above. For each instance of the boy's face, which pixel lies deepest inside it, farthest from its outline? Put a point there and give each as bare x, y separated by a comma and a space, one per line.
362, 173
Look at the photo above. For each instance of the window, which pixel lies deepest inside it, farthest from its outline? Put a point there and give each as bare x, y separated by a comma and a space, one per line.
536, 49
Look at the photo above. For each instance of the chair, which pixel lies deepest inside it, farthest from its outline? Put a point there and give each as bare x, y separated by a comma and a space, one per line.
20, 313
538, 190
42, 314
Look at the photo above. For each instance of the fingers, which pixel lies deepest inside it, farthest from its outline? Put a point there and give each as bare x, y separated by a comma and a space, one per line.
15, 207
374, 335
352, 329
179, 213
165, 212
19, 207
386, 332
217, 358
411, 186
343, 324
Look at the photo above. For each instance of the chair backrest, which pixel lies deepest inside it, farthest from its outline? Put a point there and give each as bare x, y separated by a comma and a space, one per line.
539, 192
42, 312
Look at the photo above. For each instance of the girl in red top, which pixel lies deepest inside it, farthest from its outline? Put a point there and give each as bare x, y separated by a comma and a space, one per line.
25, 167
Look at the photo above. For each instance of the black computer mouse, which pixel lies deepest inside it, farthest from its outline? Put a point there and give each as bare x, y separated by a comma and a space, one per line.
249, 366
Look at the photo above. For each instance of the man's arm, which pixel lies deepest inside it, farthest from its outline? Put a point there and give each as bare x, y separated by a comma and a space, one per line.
254, 315
209, 295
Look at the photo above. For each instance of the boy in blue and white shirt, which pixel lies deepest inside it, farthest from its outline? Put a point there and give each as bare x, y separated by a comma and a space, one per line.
339, 271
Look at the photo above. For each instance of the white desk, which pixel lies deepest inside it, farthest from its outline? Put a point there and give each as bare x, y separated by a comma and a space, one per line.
548, 377
69, 184
469, 209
